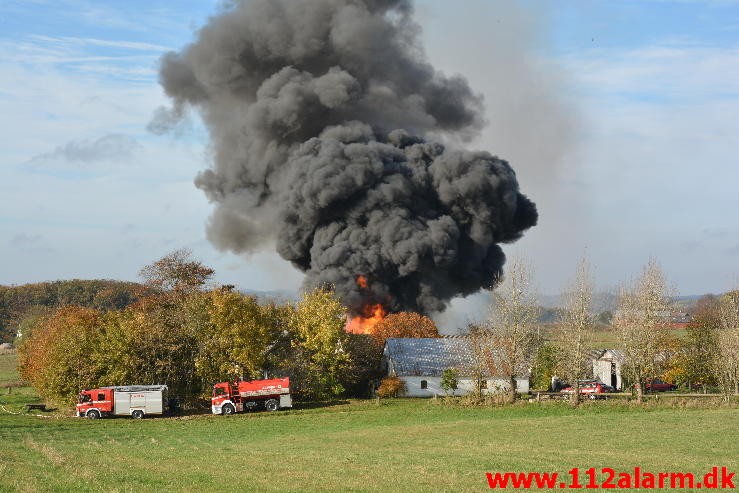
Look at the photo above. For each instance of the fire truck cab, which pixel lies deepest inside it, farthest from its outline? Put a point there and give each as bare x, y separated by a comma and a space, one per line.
239, 396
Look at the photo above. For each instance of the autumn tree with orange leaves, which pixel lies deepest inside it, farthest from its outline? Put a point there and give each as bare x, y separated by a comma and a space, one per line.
403, 324
59, 359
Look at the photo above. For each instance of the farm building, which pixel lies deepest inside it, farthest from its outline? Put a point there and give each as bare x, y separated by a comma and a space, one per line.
419, 362
607, 366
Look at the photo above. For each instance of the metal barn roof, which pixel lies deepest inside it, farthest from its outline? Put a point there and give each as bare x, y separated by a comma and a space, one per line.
614, 354
429, 357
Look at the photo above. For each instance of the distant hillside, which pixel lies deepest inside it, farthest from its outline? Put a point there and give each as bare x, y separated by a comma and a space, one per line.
688, 302
607, 301
26, 301
278, 295
602, 302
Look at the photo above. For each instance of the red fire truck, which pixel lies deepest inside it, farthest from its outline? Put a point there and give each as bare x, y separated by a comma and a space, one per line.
129, 400
239, 396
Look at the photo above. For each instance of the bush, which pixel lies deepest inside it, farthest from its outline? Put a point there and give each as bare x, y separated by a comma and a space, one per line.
449, 380
544, 367
391, 387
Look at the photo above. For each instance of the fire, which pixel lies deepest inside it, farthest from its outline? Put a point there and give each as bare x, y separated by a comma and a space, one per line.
370, 316
365, 323
362, 282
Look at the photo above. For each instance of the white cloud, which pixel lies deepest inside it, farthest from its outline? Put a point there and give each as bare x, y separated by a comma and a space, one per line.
659, 162
75, 41
681, 72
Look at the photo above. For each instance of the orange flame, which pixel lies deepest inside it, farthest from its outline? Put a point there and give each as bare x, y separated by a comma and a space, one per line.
371, 314
362, 282
365, 323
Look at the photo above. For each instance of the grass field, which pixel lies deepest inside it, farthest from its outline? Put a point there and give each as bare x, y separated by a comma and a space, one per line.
607, 337
408, 445
8, 362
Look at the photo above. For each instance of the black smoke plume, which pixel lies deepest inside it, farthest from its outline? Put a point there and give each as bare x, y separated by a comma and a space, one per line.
324, 119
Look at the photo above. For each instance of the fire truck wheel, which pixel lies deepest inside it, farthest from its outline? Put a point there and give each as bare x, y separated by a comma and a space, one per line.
227, 409
93, 414
272, 405
137, 414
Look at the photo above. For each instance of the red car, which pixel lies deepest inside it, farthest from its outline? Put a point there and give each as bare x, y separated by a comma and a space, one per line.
658, 385
593, 389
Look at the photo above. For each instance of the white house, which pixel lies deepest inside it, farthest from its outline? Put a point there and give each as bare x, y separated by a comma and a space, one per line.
419, 362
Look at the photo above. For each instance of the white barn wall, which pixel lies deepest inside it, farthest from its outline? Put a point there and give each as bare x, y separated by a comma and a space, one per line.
602, 369
465, 386
413, 386
602, 372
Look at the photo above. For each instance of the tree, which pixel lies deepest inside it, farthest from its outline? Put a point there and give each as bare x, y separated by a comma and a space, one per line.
727, 350
449, 380
604, 318
511, 333
641, 319
237, 338
57, 356
31, 319
276, 318
403, 324
672, 362
176, 272
18, 302
366, 357
691, 360
481, 364
544, 367
320, 342
151, 342
573, 331
697, 359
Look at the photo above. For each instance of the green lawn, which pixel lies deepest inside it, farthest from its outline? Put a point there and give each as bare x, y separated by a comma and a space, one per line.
604, 337
8, 362
401, 445
12, 399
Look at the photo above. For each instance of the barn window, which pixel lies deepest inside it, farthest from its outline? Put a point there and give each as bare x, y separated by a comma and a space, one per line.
424, 384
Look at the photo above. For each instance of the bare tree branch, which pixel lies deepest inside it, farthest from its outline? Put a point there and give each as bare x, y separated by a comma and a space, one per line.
642, 317
511, 332
727, 350
574, 329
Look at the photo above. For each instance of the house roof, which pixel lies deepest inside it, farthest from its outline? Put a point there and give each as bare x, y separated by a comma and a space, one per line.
594, 353
614, 354
431, 356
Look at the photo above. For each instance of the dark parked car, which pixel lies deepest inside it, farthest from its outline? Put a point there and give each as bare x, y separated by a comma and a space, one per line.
608, 389
658, 385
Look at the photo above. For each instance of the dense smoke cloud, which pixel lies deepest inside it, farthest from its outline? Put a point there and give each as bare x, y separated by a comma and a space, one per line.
323, 116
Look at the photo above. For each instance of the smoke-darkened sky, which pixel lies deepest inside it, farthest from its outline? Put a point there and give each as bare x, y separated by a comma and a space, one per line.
618, 117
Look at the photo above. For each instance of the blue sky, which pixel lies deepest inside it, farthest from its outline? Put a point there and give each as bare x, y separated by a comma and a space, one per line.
619, 117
